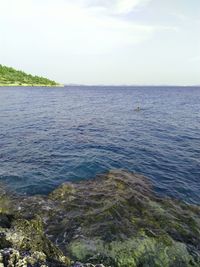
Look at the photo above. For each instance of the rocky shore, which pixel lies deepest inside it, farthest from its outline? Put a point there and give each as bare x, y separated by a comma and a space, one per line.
113, 220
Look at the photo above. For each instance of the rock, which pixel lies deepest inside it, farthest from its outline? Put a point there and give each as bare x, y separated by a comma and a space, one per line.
115, 219
5, 220
25, 241
78, 264
13, 258
5, 203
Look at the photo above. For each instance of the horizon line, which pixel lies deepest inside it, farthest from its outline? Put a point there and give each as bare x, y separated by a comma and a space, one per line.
133, 85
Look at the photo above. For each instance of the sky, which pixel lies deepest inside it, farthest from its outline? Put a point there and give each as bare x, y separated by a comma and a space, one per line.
113, 42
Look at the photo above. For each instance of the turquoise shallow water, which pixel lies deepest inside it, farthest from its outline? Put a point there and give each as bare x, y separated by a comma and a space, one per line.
52, 135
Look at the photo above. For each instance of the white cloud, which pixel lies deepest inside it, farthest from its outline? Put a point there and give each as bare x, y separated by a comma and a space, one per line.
114, 6
80, 26
76, 38
126, 6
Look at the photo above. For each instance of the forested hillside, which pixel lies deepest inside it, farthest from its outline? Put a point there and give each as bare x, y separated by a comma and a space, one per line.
11, 77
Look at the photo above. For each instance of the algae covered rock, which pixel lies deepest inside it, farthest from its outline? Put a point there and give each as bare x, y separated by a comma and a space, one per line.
13, 258
115, 219
137, 251
23, 241
5, 203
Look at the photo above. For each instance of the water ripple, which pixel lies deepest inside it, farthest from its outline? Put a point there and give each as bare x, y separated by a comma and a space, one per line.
52, 135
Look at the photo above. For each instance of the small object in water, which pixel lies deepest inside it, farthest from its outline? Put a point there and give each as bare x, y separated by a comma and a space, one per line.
137, 109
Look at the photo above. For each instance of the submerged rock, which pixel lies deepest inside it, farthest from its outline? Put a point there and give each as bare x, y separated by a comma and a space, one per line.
116, 220
5, 202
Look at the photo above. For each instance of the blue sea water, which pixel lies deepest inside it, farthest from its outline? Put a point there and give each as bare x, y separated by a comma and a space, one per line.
52, 135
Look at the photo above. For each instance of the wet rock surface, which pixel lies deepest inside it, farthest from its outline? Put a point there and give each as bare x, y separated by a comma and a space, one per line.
23, 243
115, 219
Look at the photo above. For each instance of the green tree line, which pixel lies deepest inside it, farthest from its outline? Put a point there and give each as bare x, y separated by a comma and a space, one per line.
9, 76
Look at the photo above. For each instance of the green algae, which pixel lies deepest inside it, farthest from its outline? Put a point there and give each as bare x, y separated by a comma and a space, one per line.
63, 192
115, 219
139, 251
28, 235
5, 202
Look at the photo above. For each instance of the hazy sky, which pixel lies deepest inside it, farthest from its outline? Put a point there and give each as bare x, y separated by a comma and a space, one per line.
103, 41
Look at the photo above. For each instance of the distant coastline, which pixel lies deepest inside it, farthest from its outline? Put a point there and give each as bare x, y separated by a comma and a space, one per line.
127, 86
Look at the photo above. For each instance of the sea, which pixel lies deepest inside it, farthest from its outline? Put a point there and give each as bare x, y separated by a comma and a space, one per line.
52, 135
